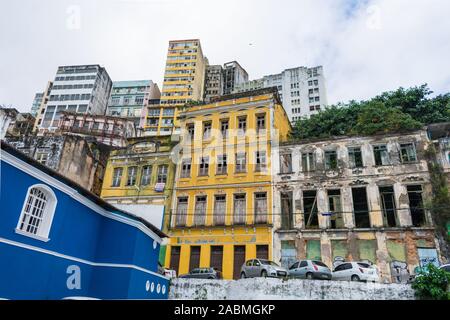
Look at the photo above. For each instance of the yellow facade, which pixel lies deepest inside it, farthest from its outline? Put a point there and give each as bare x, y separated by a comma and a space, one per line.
151, 159
184, 81
208, 200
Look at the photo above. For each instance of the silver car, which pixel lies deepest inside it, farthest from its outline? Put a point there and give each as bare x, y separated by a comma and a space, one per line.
310, 269
262, 268
203, 273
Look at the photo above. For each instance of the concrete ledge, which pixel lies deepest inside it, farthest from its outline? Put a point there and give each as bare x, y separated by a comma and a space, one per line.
293, 289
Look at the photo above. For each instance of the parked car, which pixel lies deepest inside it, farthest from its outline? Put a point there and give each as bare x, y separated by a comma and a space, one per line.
262, 268
310, 269
445, 267
355, 271
203, 273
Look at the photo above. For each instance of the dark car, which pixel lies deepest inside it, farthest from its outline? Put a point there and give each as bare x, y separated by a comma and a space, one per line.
203, 273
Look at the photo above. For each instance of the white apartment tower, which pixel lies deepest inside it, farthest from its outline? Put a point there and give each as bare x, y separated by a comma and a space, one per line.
83, 89
302, 90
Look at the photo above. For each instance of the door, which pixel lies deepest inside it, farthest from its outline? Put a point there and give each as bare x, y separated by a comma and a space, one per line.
194, 260
175, 258
302, 269
239, 260
216, 257
293, 270
339, 271
255, 268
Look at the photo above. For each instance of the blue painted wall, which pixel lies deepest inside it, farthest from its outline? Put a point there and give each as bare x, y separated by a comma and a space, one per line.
77, 231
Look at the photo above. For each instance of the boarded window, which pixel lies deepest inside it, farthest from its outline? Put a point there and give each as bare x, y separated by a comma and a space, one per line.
175, 258
310, 209
360, 208
286, 211
181, 213
239, 209
355, 157
335, 205
216, 257
367, 250
194, 260
200, 211
313, 250
388, 206
339, 249
262, 252
416, 205
288, 253
220, 207
239, 260
261, 207
286, 163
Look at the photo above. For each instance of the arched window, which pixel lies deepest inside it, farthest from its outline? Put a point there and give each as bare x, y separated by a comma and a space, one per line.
37, 212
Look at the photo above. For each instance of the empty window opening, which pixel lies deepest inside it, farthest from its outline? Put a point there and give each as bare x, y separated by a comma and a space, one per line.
360, 208
335, 206
310, 209
387, 196
416, 205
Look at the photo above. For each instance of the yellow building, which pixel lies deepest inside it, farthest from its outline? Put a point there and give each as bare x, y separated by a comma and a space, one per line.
184, 81
139, 179
222, 202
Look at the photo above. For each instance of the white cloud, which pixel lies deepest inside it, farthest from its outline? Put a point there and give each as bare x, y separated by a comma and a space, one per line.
365, 46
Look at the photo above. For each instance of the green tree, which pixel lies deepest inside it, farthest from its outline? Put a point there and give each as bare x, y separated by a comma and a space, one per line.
432, 283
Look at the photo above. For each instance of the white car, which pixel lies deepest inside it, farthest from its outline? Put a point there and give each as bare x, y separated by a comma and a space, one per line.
355, 271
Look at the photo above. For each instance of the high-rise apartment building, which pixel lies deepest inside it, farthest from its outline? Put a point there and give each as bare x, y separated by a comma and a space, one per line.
213, 82
129, 99
82, 89
41, 109
233, 75
184, 82
36, 103
302, 90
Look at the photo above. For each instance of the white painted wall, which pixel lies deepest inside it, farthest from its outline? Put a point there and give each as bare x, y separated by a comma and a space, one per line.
149, 212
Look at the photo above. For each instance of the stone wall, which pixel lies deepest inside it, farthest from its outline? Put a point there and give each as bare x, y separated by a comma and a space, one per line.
293, 289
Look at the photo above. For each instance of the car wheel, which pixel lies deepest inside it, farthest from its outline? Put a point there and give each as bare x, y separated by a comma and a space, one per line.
264, 273
243, 276
355, 277
309, 276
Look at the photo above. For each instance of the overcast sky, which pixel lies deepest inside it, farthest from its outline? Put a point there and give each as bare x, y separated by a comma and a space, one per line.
365, 47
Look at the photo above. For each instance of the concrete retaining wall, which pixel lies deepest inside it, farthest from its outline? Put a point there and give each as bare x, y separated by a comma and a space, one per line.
294, 289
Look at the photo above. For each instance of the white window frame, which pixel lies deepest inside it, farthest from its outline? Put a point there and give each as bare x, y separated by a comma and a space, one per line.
43, 230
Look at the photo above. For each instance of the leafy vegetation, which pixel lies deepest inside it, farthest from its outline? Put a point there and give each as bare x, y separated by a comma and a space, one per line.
432, 283
400, 110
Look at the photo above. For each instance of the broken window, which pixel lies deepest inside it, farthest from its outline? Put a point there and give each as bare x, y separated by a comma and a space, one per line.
388, 206
308, 162
185, 168
360, 208
131, 178
200, 211
239, 209
219, 210
117, 176
408, 152
181, 213
261, 207
203, 166
335, 206
310, 209
330, 160
381, 155
146, 175
355, 157
416, 205
241, 165
222, 164
286, 163
260, 161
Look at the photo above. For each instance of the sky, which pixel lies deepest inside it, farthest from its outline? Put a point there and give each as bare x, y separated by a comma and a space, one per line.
365, 47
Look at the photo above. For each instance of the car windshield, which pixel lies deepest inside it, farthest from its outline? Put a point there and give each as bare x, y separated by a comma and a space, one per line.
268, 263
320, 264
